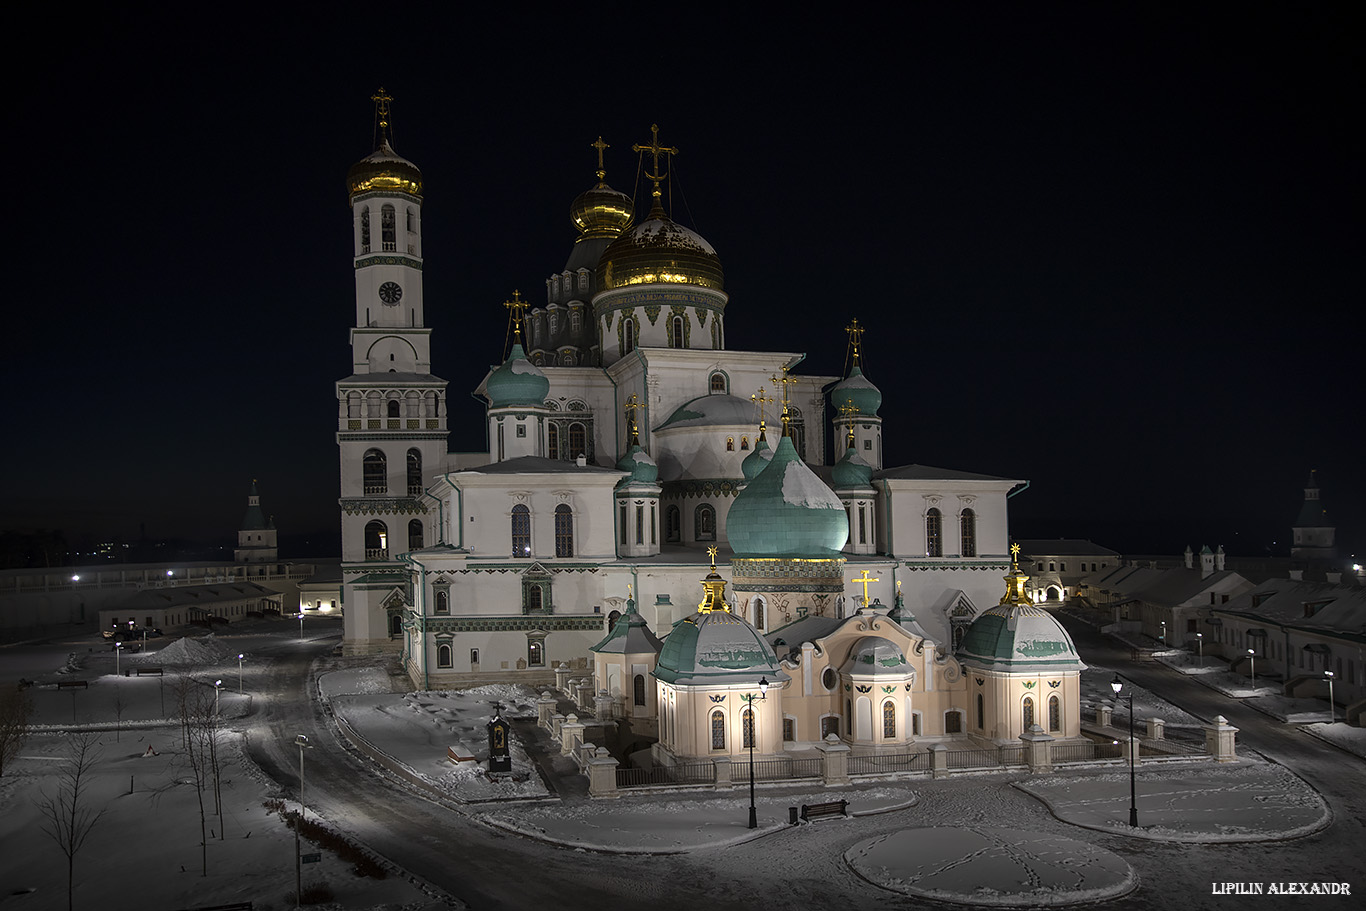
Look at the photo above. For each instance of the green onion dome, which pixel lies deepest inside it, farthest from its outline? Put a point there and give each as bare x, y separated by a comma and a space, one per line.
787, 511
517, 382
757, 460
851, 471
637, 461
856, 389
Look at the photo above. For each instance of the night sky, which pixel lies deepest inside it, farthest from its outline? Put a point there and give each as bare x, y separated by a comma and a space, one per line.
1109, 250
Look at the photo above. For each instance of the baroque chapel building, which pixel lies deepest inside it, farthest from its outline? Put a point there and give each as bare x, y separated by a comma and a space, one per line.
626, 441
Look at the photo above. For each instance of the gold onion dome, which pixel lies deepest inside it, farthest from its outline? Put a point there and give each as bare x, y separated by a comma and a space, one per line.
384, 170
659, 251
601, 212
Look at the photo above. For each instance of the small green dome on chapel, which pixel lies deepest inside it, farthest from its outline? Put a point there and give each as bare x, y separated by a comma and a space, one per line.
517, 382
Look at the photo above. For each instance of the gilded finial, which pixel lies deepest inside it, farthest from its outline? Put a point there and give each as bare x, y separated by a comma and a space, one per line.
711, 552
760, 400
1015, 581
855, 339
632, 404
516, 313
1015, 558
601, 147
713, 588
655, 150
847, 411
381, 100
784, 381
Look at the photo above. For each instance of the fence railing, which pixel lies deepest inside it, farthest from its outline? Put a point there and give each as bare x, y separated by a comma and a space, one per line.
777, 769
883, 763
1073, 752
1012, 755
685, 773
973, 759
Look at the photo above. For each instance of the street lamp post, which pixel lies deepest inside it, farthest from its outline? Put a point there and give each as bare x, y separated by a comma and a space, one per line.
301, 626
1200, 644
1252, 656
1332, 712
240, 656
217, 688
302, 743
753, 736
1163, 634
1117, 685
118, 650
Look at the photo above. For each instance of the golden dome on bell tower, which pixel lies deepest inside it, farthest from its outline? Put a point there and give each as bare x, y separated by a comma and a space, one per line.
384, 170
601, 212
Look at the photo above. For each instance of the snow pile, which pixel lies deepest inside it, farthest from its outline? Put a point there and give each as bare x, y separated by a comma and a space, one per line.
75, 662
801, 487
1209, 804
992, 867
1341, 734
205, 651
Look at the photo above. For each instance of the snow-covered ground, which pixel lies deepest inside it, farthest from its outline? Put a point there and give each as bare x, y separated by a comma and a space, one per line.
1351, 739
992, 867
1247, 801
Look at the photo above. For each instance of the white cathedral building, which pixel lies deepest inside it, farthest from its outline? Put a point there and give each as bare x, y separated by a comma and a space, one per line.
626, 440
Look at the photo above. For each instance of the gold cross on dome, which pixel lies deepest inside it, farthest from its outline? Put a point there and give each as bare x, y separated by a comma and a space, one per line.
1015, 555
864, 582
601, 147
381, 100
784, 382
631, 405
516, 313
655, 150
761, 400
711, 552
855, 339
628, 591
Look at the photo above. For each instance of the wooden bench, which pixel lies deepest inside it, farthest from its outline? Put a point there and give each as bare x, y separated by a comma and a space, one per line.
73, 684
812, 811
149, 672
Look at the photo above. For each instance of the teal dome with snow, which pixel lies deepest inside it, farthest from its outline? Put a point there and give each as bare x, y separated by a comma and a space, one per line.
757, 460
638, 462
851, 471
856, 390
716, 647
517, 382
787, 511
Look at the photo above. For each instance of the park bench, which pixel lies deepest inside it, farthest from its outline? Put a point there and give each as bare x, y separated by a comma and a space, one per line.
812, 811
149, 672
73, 684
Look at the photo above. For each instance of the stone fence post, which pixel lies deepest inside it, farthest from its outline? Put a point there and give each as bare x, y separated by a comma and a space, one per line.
571, 734
602, 706
1104, 714
1155, 728
834, 760
562, 678
939, 760
1219, 740
1038, 750
722, 773
545, 707
556, 720
602, 775
1129, 750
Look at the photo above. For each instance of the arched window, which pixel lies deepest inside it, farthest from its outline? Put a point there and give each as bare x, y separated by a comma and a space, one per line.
759, 610
967, 526
730, 444
889, 720
375, 472
534, 598
392, 408
552, 441
718, 382
578, 440
1054, 713
704, 520
388, 229
718, 730
443, 602
443, 656
414, 473
564, 531
628, 335
677, 340
953, 722
747, 724
365, 230
415, 534
376, 541
521, 531
1027, 713
673, 524
535, 653
575, 321
612, 618
934, 533
395, 625
638, 689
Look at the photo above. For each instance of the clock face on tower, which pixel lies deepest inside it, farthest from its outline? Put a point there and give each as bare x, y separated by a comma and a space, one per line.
390, 293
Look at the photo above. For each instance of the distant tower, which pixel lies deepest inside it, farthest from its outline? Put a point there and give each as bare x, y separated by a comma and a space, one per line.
391, 424
1314, 537
855, 402
256, 541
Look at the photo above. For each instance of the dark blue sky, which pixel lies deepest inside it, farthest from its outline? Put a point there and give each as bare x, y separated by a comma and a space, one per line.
1112, 250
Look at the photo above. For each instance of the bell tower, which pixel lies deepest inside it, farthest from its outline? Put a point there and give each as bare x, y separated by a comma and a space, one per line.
391, 422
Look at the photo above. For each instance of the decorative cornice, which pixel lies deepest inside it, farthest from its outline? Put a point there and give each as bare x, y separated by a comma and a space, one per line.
703, 487
374, 506
389, 259
526, 623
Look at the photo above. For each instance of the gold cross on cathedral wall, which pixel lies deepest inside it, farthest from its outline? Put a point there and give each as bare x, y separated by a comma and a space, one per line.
864, 582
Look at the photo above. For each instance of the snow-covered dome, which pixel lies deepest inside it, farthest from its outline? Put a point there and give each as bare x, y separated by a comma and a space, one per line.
712, 646
876, 656
717, 410
638, 462
1017, 636
517, 382
851, 471
386, 171
787, 511
757, 460
856, 390
659, 251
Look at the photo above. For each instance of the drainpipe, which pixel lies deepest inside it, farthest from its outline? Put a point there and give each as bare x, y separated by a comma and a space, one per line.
460, 511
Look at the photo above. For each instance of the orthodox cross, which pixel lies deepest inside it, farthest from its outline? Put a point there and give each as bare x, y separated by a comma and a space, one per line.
848, 410
855, 339
785, 381
381, 100
516, 313
1015, 557
600, 146
864, 582
760, 400
711, 552
631, 405
655, 150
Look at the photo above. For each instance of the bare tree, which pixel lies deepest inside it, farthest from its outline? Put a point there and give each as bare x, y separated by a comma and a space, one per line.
16, 709
68, 817
199, 728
